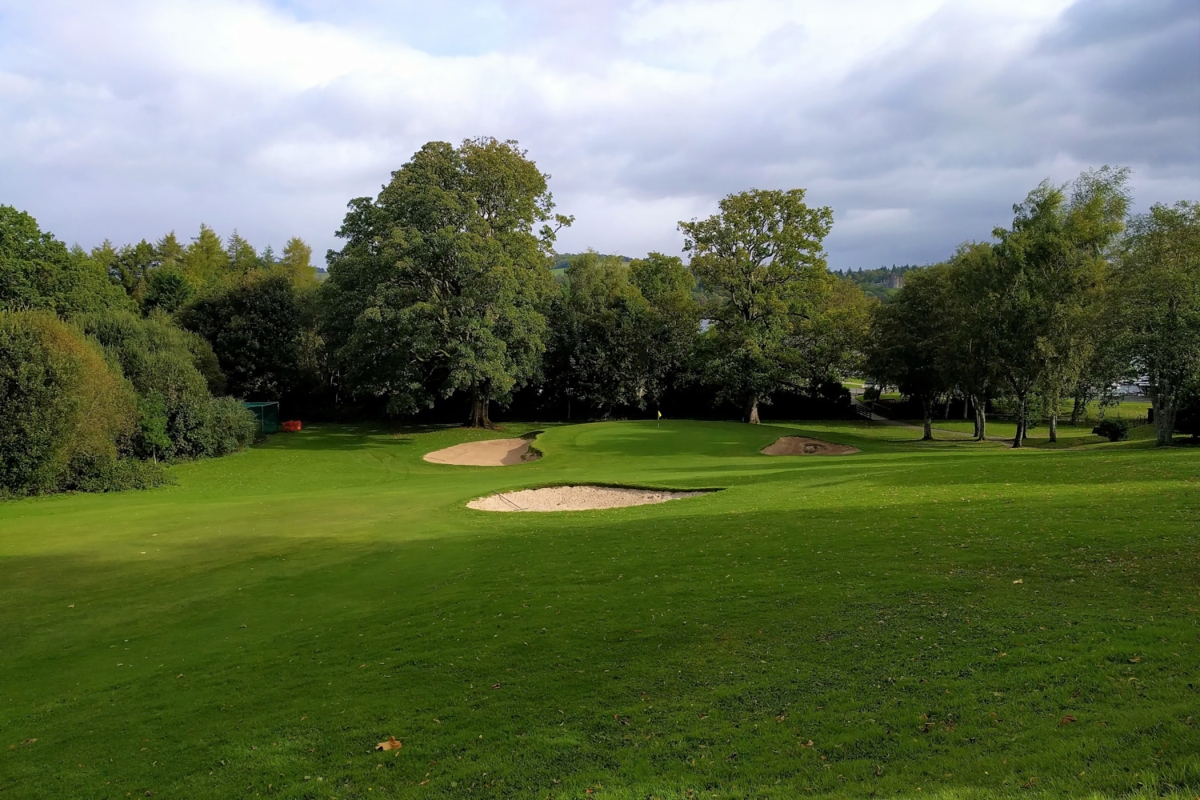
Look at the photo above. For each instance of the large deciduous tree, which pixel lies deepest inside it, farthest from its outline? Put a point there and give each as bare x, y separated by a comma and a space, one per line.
909, 340
761, 261
1157, 283
441, 286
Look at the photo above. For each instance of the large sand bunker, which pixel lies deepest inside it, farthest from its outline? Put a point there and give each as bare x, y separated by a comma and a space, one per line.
803, 446
490, 453
575, 498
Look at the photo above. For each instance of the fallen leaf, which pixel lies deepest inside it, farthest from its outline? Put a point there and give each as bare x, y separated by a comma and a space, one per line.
495, 686
390, 744
1135, 659
1066, 720
360, 666
781, 717
1019, 580
809, 743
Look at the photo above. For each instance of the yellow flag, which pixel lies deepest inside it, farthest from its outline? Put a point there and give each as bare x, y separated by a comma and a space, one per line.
660, 415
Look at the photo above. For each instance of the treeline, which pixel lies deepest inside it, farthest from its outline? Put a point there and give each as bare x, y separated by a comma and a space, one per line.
445, 303
1074, 297
881, 283
111, 362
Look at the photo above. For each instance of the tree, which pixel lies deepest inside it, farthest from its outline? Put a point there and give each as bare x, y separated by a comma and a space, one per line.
1047, 274
598, 351
833, 340
442, 284
761, 261
205, 262
243, 259
1157, 282
909, 341
167, 289
132, 267
297, 262
255, 329
968, 359
66, 414
37, 271
672, 319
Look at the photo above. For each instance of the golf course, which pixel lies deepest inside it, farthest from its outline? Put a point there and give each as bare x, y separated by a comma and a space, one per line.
949, 619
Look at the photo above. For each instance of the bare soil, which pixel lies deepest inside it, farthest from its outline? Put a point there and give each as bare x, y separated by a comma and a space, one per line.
490, 453
804, 446
575, 498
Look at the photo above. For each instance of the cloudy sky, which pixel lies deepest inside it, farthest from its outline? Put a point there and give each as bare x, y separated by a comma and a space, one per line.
920, 122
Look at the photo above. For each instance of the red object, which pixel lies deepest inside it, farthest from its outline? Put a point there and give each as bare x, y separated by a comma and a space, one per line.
291, 426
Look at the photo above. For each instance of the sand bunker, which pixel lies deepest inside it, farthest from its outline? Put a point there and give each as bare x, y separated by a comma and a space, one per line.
803, 446
490, 453
575, 498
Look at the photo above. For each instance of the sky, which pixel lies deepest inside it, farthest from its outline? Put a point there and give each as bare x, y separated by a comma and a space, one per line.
919, 122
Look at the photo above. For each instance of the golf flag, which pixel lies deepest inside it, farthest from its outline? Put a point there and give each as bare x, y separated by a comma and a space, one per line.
660, 415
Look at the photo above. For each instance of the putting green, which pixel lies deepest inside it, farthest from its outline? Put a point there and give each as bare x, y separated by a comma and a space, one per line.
952, 618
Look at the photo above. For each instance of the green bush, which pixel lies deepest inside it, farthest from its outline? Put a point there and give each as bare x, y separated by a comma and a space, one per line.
178, 418
67, 414
1115, 430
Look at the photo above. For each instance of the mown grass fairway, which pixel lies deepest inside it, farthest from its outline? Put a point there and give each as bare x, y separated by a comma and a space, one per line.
914, 619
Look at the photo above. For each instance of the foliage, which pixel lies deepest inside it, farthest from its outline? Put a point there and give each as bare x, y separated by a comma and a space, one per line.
255, 328
66, 414
880, 284
762, 262
166, 367
38, 272
443, 281
1158, 302
909, 337
1115, 430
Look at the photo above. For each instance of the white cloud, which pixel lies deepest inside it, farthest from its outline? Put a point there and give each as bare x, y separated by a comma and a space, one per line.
919, 122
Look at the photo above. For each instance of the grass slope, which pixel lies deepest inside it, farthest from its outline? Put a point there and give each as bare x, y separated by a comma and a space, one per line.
913, 620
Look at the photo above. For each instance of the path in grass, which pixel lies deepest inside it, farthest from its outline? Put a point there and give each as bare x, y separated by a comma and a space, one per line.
916, 616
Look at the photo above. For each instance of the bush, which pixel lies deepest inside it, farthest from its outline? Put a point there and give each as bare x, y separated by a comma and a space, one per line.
871, 394
1115, 430
65, 411
177, 416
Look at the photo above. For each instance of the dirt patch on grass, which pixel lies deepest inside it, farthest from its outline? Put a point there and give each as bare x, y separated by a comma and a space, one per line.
804, 446
576, 498
490, 453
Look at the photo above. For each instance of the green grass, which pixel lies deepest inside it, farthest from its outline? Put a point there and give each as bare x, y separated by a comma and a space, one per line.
926, 615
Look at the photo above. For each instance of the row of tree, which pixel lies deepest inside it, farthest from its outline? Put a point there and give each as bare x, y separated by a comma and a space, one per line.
105, 363
1071, 299
445, 295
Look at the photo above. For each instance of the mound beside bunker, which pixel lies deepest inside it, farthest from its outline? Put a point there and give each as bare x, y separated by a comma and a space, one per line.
575, 498
804, 446
489, 453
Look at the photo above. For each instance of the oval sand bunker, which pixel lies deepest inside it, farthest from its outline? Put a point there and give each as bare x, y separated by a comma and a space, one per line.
575, 498
489, 453
804, 446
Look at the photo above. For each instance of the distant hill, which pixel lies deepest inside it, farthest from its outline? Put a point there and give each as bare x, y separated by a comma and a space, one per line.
882, 282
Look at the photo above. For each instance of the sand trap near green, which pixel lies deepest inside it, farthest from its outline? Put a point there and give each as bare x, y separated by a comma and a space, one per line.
575, 498
491, 453
805, 446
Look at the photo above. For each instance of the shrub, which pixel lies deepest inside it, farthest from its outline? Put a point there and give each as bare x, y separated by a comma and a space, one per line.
871, 394
1115, 430
65, 410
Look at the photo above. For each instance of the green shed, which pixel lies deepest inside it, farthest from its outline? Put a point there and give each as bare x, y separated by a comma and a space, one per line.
267, 414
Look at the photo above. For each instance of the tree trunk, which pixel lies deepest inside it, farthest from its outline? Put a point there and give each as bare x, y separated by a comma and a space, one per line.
1053, 426
1077, 408
1019, 438
1164, 407
928, 408
479, 412
946, 415
966, 406
752, 410
981, 421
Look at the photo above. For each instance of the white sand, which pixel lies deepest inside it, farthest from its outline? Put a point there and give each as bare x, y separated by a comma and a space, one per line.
575, 498
803, 446
489, 453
